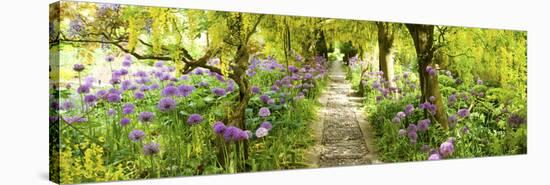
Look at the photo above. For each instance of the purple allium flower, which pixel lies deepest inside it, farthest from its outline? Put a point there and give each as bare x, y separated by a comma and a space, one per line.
146, 117
136, 135
198, 71
409, 109
127, 62
78, 67
432, 99
308, 76
264, 98
229, 133
154, 86
109, 58
255, 90
166, 104
230, 86
434, 156
218, 127
89, 99
402, 132
124, 121
515, 120
413, 136
463, 113
113, 97
266, 125
423, 125
203, 84
401, 115
479, 82
185, 90
141, 74
264, 112
169, 91
218, 91
139, 95
242, 135
453, 120
411, 128
194, 119
292, 69
262, 132
128, 108
159, 64
396, 120
431, 71
111, 112
270, 102
83, 89
151, 148
452, 99
123, 72
67, 105
446, 148
274, 88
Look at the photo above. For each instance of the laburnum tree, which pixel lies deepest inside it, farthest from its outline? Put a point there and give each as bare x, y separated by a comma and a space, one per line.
423, 38
155, 33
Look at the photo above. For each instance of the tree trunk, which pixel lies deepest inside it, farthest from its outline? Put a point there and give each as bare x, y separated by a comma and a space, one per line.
422, 36
385, 55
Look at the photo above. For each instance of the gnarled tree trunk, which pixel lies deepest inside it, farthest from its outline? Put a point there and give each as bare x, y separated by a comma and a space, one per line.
385, 55
422, 36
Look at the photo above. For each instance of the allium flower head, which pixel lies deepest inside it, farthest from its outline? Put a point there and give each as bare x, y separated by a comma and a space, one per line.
113, 97
78, 67
194, 119
264, 98
453, 120
185, 90
423, 125
83, 89
409, 109
412, 128
515, 120
431, 71
151, 148
413, 136
255, 90
203, 84
90, 99
434, 156
402, 132
218, 127
159, 64
401, 115
128, 108
67, 105
266, 125
146, 117
261, 132
230, 132
264, 112
479, 82
124, 121
446, 148
170, 91
396, 120
166, 104
463, 113
218, 91
139, 95
109, 58
136, 135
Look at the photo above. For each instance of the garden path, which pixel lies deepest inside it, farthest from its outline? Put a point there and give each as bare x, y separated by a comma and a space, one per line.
345, 136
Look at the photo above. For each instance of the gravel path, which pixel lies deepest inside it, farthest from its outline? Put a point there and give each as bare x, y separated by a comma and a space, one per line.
345, 135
